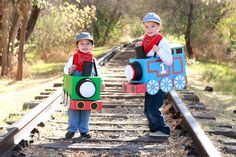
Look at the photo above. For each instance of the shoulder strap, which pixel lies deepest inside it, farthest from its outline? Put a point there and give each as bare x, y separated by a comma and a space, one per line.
95, 67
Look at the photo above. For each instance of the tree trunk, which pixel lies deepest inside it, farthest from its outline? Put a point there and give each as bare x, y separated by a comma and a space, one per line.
4, 37
19, 74
188, 30
96, 33
16, 22
115, 16
111, 24
32, 21
15, 25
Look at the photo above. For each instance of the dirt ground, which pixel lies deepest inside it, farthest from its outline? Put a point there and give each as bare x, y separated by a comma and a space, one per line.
14, 93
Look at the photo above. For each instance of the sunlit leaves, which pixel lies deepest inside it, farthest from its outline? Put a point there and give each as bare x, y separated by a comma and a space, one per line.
42, 3
58, 25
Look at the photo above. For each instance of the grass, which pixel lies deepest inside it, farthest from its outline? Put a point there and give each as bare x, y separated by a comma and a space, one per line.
222, 76
47, 68
42, 68
100, 51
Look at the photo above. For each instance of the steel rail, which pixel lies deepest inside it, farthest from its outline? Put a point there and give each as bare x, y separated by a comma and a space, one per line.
202, 142
22, 128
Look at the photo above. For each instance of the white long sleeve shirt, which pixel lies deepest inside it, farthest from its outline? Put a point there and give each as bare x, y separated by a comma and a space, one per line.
70, 62
164, 52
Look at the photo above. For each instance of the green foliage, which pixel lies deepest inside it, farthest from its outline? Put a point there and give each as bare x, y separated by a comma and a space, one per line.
106, 27
227, 29
213, 34
223, 76
41, 3
175, 39
42, 68
99, 51
136, 29
33, 55
209, 31
213, 30
57, 26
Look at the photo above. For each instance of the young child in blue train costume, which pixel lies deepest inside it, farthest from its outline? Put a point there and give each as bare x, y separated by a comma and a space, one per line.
79, 119
154, 44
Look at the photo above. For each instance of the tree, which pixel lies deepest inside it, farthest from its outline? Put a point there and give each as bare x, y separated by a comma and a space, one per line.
4, 36
24, 7
189, 28
179, 19
196, 20
58, 26
14, 22
108, 18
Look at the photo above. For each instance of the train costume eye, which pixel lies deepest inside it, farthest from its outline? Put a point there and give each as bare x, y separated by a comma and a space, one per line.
129, 72
133, 71
86, 88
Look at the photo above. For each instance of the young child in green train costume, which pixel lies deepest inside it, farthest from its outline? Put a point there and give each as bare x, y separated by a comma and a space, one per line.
82, 86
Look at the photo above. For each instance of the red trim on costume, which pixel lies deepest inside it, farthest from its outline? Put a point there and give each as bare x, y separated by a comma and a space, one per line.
158, 73
181, 65
134, 88
87, 105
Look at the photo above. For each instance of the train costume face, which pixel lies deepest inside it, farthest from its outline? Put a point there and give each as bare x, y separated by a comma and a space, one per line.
84, 92
151, 74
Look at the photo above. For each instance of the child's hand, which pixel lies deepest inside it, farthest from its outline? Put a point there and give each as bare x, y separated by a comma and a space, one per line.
72, 68
155, 48
137, 44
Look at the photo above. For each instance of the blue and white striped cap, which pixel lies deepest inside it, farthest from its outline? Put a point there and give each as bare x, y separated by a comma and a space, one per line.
152, 17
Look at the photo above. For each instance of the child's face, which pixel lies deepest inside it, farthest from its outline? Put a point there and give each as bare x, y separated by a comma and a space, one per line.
85, 46
151, 28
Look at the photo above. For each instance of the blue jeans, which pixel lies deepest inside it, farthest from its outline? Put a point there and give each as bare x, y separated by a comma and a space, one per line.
152, 106
78, 119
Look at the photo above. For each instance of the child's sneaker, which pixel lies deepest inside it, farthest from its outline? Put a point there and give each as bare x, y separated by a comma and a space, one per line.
85, 135
158, 134
69, 134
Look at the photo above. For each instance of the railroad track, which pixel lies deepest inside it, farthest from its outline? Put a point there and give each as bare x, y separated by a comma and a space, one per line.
120, 128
